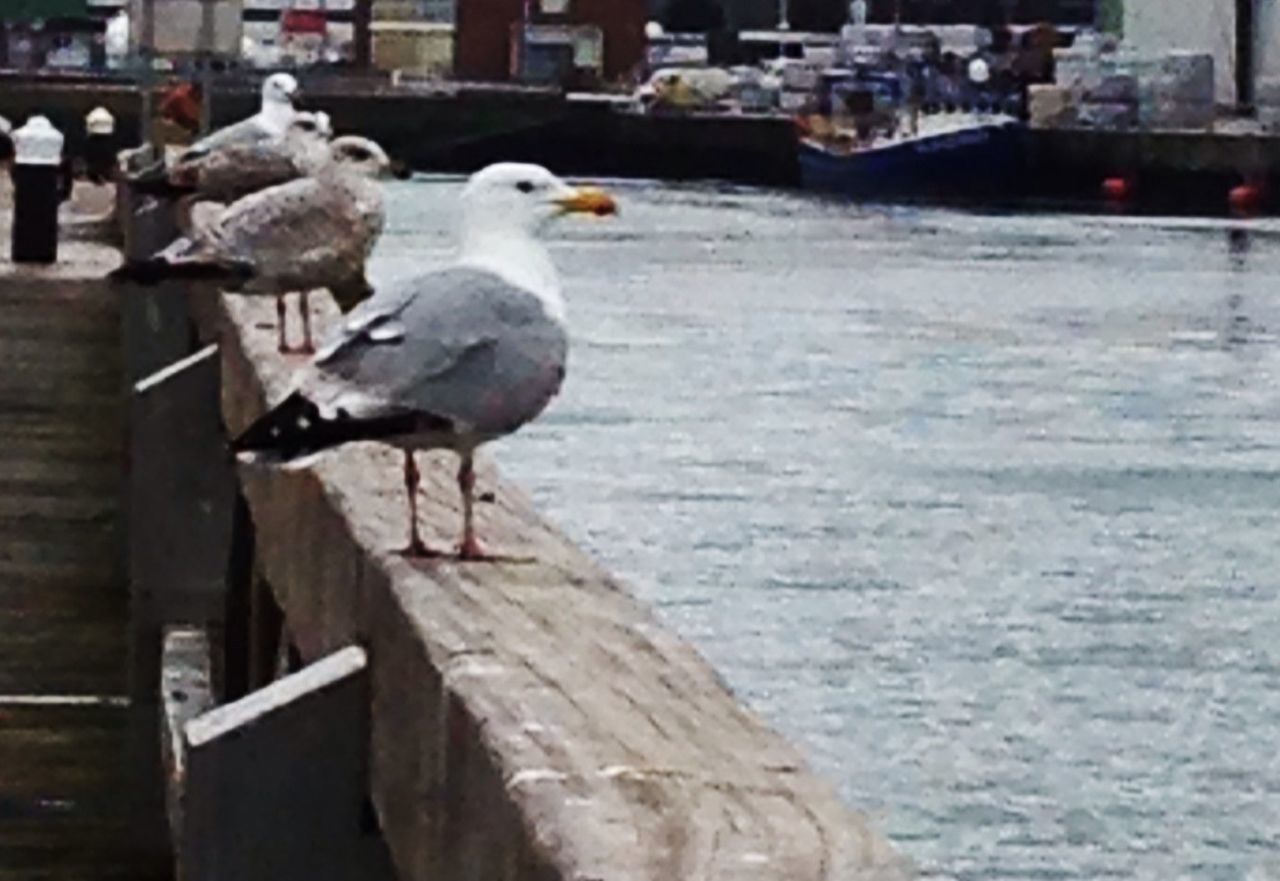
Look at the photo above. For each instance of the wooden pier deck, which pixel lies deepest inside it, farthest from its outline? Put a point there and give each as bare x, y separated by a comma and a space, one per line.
250, 685
63, 600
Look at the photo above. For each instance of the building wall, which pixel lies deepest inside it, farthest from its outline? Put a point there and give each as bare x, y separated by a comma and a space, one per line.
763, 14
623, 23
1267, 22
483, 47
482, 40
1203, 25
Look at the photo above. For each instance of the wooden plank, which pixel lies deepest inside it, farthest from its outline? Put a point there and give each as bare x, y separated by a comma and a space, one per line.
62, 817
148, 222
65, 814
186, 691
180, 492
530, 721
276, 782
233, 672
155, 327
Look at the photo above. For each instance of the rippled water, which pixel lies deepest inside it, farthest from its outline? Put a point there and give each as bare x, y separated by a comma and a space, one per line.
980, 510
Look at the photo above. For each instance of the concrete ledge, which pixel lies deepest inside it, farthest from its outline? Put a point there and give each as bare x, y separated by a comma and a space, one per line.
1168, 152
529, 721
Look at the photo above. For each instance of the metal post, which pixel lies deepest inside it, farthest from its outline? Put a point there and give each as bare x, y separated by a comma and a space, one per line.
204, 58
1245, 54
148, 133
36, 167
363, 34
99, 145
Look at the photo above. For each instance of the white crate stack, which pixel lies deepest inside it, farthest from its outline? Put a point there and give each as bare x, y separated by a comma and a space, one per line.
1180, 92
1100, 87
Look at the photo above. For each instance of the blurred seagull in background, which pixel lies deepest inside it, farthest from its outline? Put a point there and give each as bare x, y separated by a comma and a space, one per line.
279, 92
238, 169
309, 233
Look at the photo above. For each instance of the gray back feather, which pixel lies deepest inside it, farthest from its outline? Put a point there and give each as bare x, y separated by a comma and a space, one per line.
246, 131
307, 233
461, 343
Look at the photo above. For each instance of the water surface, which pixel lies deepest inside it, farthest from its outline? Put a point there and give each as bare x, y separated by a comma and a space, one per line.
980, 510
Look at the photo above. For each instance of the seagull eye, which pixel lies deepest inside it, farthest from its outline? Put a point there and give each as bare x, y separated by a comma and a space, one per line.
525, 186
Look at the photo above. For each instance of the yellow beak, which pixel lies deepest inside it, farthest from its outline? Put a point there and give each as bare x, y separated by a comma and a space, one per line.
588, 200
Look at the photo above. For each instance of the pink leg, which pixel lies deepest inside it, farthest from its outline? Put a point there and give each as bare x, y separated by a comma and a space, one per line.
470, 549
284, 345
308, 348
412, 479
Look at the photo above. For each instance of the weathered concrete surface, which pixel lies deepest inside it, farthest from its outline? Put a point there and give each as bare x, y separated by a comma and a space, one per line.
529, 720
63, 603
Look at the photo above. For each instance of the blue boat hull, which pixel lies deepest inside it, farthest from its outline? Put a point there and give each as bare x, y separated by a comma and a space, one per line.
988, 159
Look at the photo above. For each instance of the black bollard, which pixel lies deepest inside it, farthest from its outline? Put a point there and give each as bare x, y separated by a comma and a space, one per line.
99, 145
36, 173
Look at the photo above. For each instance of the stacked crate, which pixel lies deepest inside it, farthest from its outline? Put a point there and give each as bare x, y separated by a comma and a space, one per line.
1098, 86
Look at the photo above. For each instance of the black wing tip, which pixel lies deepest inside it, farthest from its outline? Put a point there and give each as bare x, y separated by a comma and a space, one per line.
156, 270
161, 187
146, 272
295, 428
270, 434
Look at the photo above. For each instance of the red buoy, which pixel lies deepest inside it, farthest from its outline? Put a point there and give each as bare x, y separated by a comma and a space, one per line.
1117, 189
1246, 198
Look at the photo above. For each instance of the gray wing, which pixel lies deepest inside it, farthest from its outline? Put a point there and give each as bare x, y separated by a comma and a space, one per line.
236, 170
460, 344
307, 233
246, 131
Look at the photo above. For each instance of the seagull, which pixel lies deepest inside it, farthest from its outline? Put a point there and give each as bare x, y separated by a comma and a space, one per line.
276, 112
238, 169
279, 91
312, 232
448, 359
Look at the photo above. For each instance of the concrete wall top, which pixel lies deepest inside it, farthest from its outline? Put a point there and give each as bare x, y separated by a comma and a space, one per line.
530, 720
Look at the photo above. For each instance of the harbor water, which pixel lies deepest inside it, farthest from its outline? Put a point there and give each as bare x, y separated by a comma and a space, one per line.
982, 511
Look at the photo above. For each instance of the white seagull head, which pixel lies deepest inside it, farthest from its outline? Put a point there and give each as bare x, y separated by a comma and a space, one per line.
279, 88
513, 196
360, 155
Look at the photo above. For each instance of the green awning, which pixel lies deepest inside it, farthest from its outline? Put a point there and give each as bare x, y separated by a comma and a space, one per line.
26, 10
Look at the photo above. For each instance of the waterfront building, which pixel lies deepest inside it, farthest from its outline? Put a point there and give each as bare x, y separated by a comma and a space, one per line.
1242, 35
829, 15
50, 34
576, 43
